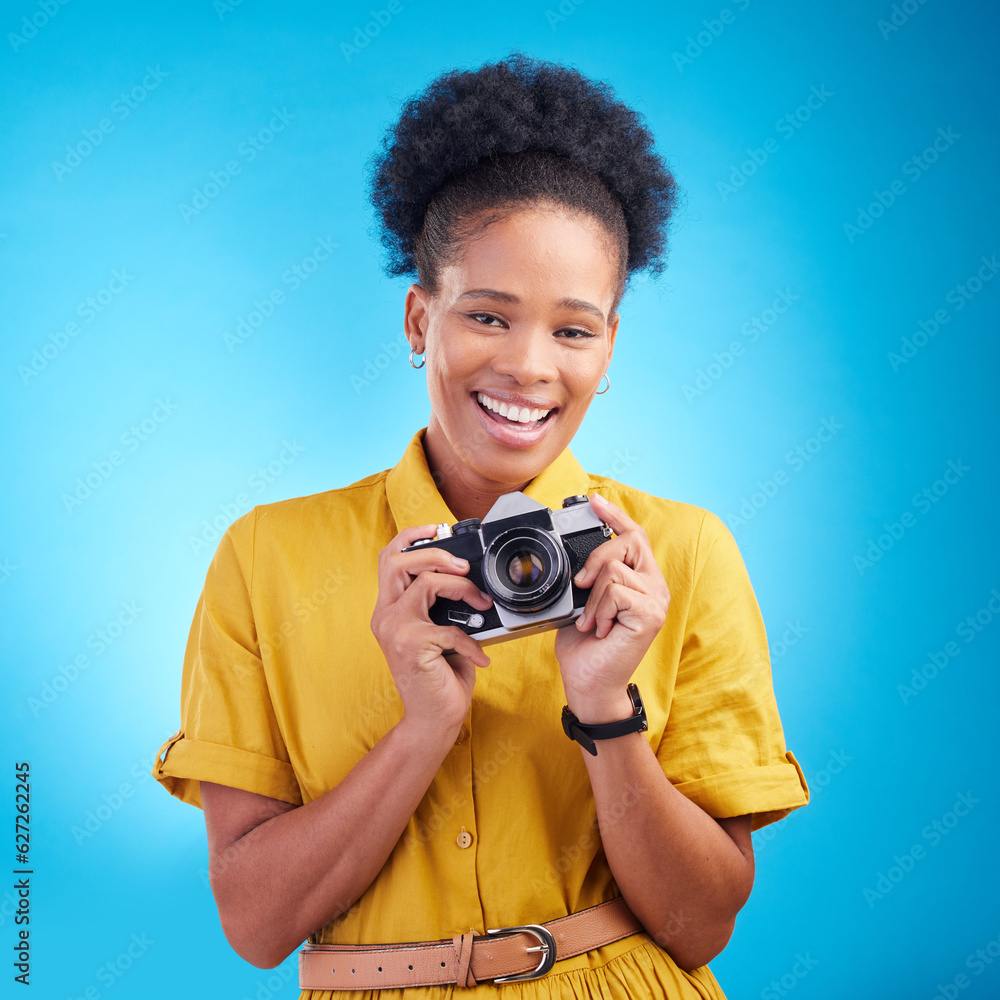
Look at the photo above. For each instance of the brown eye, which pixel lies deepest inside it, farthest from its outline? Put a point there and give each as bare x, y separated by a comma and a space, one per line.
477, 316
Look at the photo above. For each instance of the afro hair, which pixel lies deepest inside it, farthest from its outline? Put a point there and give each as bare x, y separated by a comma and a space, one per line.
516, 131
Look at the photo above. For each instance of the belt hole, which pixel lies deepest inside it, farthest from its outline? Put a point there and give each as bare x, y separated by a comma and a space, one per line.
352, 972
380, 968
410, 967
442, 965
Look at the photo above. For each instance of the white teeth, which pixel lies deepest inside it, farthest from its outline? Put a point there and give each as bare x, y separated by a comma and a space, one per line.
522, 415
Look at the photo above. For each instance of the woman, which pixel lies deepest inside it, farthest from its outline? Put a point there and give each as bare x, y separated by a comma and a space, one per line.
369, 777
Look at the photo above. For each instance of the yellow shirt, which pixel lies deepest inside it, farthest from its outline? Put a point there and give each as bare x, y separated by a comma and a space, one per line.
284, 690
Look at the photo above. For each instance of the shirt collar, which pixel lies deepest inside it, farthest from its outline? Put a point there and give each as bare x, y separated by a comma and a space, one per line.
414, 498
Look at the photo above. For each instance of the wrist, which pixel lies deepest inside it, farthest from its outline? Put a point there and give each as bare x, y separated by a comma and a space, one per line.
596, 710
424, 733
588, 733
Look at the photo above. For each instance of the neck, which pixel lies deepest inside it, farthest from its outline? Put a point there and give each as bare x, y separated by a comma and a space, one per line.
466, 494
475, 503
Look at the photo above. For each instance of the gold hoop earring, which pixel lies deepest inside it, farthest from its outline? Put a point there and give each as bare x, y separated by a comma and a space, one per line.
605, 389
418, 367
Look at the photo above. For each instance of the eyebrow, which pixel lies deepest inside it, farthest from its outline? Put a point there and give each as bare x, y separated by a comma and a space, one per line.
493, 293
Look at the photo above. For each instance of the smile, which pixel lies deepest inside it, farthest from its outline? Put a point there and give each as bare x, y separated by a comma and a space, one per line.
515, 415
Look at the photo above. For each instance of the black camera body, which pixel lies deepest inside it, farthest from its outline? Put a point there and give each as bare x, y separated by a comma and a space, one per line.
524, 555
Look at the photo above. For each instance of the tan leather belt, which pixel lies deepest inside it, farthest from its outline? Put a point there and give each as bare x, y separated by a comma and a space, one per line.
502, 955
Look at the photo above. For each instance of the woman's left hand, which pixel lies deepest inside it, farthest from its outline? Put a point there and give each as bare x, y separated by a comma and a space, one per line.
626, 609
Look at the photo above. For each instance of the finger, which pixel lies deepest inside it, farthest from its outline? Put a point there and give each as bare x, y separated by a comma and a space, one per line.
624, 527
596, 561
619, 521
428, 557
402, 568
614, 571
429, 586
464, 669
452, 637
396, 569
613, 603
634, 609
407, 536
631, 547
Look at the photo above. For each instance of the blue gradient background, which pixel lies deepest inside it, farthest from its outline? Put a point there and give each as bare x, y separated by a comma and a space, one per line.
882, 767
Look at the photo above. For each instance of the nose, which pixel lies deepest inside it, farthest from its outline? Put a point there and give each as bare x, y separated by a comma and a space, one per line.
527, 355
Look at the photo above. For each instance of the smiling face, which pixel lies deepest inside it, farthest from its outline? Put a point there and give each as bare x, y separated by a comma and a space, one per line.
521, 320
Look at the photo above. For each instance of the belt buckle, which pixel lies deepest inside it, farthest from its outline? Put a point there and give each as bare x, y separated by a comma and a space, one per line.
546, 945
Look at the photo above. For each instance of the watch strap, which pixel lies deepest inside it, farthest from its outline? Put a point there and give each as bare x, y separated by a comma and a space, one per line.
585, 734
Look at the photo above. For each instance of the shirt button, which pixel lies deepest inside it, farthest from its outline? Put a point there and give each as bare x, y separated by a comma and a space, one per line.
463, 735
464, 839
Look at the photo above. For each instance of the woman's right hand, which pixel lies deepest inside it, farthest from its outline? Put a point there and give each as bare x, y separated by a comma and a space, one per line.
436, 692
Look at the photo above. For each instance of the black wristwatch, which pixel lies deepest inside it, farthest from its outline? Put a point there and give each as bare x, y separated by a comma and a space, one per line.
586, 734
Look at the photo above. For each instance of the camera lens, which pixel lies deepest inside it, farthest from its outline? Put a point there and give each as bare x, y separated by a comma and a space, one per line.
525, 569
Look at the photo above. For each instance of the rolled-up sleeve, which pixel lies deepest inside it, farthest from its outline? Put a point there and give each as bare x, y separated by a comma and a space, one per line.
724, 745
228, 730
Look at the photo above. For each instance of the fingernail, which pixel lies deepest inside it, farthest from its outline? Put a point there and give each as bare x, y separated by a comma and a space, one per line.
485, 596
462, 563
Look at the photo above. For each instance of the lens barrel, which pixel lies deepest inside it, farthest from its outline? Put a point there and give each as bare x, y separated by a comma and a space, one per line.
525, 569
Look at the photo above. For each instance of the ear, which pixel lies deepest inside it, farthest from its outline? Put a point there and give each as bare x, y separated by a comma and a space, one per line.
415, 317
612, 333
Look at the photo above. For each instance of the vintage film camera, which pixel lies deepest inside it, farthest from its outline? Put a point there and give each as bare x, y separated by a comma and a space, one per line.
524, 556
